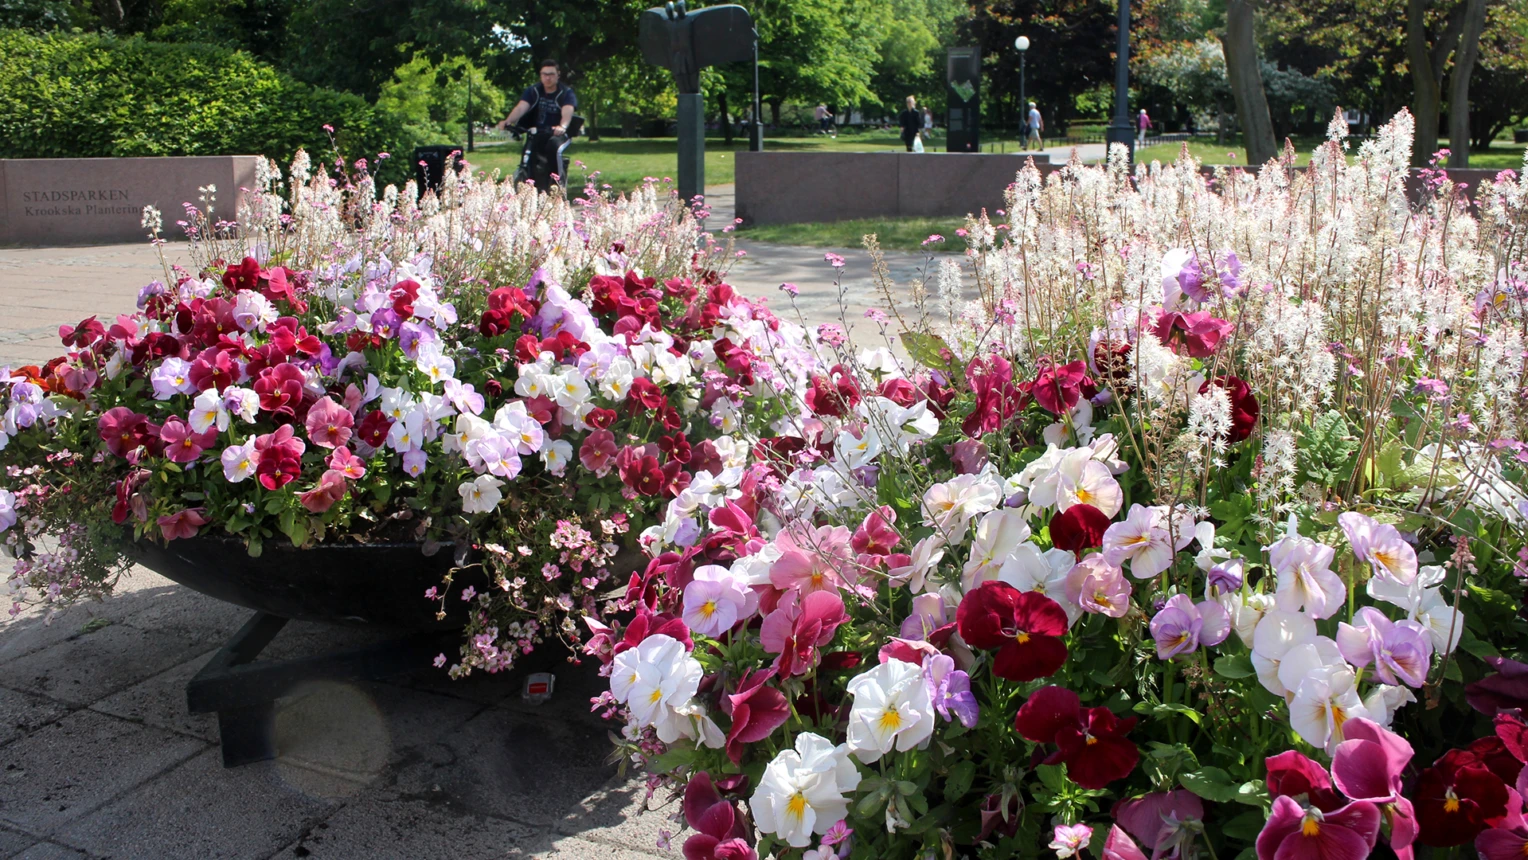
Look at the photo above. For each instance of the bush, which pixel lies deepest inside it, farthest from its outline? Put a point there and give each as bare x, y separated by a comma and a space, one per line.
98, 96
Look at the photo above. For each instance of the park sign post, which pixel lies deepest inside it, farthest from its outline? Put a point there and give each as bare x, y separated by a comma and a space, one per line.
684, 42
965, 112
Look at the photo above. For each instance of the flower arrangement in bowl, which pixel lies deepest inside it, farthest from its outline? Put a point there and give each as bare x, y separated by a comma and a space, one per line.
1199, 533
520, 378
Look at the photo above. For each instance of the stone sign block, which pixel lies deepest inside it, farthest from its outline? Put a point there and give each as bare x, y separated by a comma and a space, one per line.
80, 201
797, 187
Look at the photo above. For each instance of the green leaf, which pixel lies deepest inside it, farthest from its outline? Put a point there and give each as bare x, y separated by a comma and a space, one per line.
1244, 827
929, 350
959, 781
1161, 709
1210, 783
672, 760
1235, 666
1254, 792
1476, 647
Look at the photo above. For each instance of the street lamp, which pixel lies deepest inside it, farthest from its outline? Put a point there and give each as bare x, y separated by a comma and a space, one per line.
1021, 44
1119, 128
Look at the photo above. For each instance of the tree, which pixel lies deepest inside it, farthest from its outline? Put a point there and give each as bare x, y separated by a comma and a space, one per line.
1070, 42
1245, 76
432, 97
1434, 36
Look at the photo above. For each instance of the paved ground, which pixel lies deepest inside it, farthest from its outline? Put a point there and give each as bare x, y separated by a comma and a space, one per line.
100, 759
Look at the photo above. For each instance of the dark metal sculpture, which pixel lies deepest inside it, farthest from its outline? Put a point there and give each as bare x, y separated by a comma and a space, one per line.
684, 42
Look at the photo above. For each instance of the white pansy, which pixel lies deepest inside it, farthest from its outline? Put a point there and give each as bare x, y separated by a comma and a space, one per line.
557, 456
655, 677
949, 506
855, 451
1325, 699
892, 709
999, 535
1423, 601
519, 427
1277, 634
208, 411
803, 790
1031, 570
480, 495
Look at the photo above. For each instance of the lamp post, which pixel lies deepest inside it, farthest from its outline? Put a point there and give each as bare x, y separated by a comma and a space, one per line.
1119, 128
1021, 44
756, 133
469, 107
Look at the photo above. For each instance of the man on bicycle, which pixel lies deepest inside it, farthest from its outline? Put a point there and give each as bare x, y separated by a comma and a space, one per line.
550, 105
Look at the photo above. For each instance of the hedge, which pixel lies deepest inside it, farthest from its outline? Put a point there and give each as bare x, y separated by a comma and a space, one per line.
88, 95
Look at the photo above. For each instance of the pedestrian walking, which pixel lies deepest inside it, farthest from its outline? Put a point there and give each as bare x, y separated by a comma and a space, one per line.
928, 124
1143, 122
825, 121
911, 123
1036, 127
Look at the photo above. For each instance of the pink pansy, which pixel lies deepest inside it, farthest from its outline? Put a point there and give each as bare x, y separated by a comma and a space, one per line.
329, 424
181, 443
877, 535
812, 560
1381, 546
720, 832
756, 710
347, 464
598, 452
1158, 820
331, 488
1098, 587
799, 626
1368, 766
1069, 839
1401, 651
183, 524
1296, 832
1119, 846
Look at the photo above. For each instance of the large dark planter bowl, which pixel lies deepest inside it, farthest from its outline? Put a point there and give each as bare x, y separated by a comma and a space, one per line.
356, 584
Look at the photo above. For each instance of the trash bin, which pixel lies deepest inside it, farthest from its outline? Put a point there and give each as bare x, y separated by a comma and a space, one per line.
430, 164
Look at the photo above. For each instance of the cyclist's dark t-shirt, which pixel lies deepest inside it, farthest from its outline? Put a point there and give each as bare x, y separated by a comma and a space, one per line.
546, 108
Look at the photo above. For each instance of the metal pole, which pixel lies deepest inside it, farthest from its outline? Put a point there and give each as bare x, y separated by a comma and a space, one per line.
469, 106
1119, 128
756, 134
1023, 102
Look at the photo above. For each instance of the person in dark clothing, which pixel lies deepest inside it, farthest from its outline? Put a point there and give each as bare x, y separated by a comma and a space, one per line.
550, 106
911, 122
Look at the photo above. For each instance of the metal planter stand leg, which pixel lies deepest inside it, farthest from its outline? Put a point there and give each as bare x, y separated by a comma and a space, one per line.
243, 693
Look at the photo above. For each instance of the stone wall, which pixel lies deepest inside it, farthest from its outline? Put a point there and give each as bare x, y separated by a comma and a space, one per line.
795, 187
80, 201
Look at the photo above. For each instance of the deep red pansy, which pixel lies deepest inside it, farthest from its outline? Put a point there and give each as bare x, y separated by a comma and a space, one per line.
1023, 626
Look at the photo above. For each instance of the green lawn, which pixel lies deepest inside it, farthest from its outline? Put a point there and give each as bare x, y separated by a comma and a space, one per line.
625, 162
1501, 155
895, 234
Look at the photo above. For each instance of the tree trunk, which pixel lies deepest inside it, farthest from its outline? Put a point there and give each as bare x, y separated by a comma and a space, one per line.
774, 112
721, 103
1424, 103
1246, 79
1459, 84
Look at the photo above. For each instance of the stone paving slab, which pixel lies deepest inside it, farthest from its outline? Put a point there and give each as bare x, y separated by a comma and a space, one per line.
416, 828
86, 668
69, 768
22, 713
199, 811
160, 701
